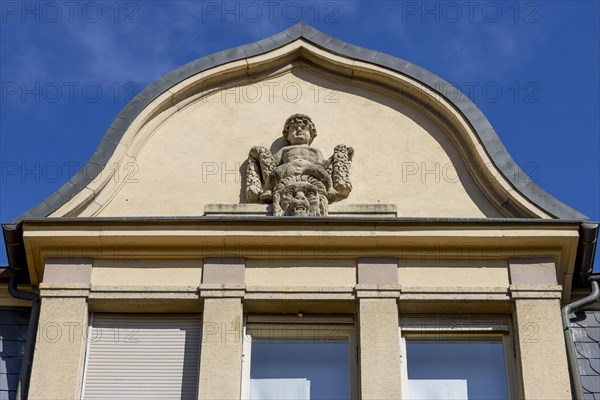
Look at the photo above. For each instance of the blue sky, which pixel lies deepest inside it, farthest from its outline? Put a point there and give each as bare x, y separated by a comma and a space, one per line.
68, 68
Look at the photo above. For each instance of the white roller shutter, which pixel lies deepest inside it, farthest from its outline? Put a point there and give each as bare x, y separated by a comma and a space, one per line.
133, 356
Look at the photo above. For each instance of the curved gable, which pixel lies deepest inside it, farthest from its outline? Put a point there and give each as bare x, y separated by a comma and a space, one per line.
180, 145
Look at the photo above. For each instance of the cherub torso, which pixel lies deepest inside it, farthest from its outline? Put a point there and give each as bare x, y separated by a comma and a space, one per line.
300, 155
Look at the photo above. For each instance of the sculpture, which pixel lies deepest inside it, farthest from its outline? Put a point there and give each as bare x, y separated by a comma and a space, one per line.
297, 179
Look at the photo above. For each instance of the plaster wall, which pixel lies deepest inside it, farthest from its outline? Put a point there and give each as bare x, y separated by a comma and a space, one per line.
544, 371
59, 353
301, 273
401, 157
221, 353
147, 272
541, 359
458, 273
379, 349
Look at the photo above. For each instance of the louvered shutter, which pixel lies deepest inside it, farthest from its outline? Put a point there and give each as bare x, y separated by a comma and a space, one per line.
133, 356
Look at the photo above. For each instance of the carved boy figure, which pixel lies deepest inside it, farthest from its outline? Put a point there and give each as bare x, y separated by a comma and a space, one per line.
266, 171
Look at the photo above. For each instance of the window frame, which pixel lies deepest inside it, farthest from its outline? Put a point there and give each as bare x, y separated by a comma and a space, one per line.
452, 328
343, 327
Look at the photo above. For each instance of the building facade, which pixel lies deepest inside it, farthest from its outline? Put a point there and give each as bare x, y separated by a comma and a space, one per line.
385, 246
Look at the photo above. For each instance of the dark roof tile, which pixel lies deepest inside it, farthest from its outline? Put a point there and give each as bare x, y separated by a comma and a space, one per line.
588, 318
588, 350
580, 335
10, 365
591, 383
585, 367
595, 365
14, 317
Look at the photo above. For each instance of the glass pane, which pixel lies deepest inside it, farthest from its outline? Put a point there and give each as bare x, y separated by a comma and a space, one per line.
299, 370
456, 370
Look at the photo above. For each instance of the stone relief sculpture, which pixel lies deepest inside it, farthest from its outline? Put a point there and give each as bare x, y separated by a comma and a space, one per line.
297, 179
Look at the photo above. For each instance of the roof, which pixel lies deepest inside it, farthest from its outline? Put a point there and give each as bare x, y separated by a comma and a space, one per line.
481, 126
585, 328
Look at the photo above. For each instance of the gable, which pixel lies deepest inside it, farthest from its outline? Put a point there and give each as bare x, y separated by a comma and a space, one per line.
197, 155
415, 150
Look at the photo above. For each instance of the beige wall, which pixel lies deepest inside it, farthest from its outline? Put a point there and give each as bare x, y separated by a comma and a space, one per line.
376, 289
379, 349
301, 273
147, 272
457, 273
196, 136
540, 344
542, 359
59, 353
203, 148
221, 351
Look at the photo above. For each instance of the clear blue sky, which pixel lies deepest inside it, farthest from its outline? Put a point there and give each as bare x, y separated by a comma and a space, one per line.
67, 69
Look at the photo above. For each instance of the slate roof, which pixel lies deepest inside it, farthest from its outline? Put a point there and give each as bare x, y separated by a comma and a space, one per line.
585, 328
13, 330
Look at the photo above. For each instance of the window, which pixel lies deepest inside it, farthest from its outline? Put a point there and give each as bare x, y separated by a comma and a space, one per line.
450, 359
142, 357
299, 361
